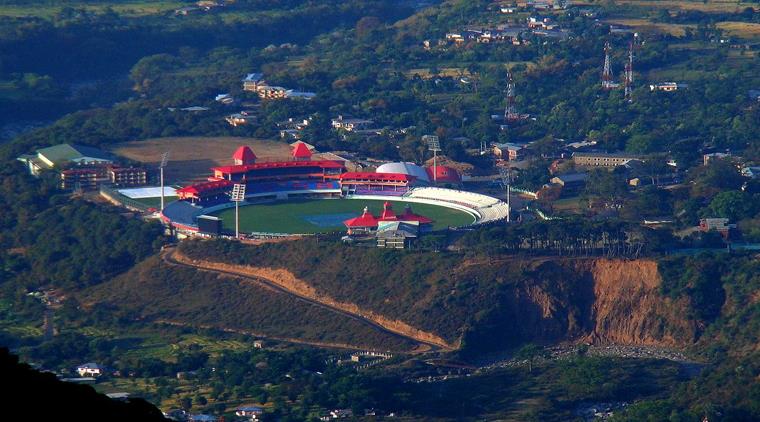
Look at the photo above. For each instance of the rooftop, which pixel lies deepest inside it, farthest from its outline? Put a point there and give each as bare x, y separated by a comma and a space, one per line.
244, 168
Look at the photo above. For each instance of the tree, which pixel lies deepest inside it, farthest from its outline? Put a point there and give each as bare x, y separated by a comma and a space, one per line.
530, 352
734, 205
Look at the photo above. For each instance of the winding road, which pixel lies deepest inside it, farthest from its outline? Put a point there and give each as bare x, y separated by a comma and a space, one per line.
423, 346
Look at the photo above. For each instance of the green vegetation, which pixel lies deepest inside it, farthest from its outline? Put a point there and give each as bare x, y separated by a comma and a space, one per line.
310, 216
119, 67
160, 292
472, 298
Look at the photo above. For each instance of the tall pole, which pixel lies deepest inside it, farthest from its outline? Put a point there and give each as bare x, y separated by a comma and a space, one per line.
434, 145
164, 160
505, 174
238, 195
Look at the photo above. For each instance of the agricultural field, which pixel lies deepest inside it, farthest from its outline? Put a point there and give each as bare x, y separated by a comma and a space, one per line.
48, 9
714, 6
327, 215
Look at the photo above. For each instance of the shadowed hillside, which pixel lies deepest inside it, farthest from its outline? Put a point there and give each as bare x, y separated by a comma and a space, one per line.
161, 292
494, 303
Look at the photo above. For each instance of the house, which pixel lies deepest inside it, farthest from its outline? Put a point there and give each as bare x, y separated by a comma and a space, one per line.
82, 178
63, 155
754, 94
535, 22
268, 92
299, 95
667, 86
508, 10
184, 11
118, 396
601, 159
258, 344
90, 369
194, 108
351, 124
706, 158
656, 180
571, 183
341, 413
509, 151
127, 176
715, 224
225, 99
249, 411
394, 235
242, 118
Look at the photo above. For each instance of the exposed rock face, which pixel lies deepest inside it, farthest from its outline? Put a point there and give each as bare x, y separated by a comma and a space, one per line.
590, 300
629, 309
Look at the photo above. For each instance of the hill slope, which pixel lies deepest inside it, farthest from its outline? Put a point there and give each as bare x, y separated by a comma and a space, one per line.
161, 292
494, 303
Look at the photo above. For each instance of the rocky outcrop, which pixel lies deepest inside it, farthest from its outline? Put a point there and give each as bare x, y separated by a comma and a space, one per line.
629, 309
601, 301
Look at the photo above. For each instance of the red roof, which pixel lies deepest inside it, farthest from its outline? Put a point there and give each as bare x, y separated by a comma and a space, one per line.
367, 220
364, 220
244, 154
444, 174
204, 187
388, 214
301, 151
244, 168
408, 215
378, 177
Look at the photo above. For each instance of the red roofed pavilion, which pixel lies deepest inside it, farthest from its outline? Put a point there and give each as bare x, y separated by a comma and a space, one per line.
388, 214
408, 215
244, 156
367, 222
301, 152
361, 224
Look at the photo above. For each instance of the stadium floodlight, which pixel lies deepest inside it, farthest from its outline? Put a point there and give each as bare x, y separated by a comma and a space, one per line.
238, 196
506, 176
434, 145
164, 161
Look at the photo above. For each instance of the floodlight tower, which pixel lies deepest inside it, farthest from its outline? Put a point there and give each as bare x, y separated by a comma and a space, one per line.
506, 177
510, 112
237, 196
629, 74
164, 160
607, 72
434, 145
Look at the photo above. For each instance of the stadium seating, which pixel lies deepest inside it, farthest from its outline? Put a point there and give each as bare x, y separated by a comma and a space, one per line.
489, 208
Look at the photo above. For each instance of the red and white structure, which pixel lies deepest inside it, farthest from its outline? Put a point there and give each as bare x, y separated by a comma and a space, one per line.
281, 180
367, 223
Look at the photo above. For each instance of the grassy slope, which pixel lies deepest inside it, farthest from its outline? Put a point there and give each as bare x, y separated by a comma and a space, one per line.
288, 217
157, 291
488, 303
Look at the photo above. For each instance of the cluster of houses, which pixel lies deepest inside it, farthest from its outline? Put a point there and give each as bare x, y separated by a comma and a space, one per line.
500, 34
254, 82
83, 167
539, 5
535, 25
200, 6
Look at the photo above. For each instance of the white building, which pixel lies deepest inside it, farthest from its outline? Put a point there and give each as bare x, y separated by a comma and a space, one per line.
90, 370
